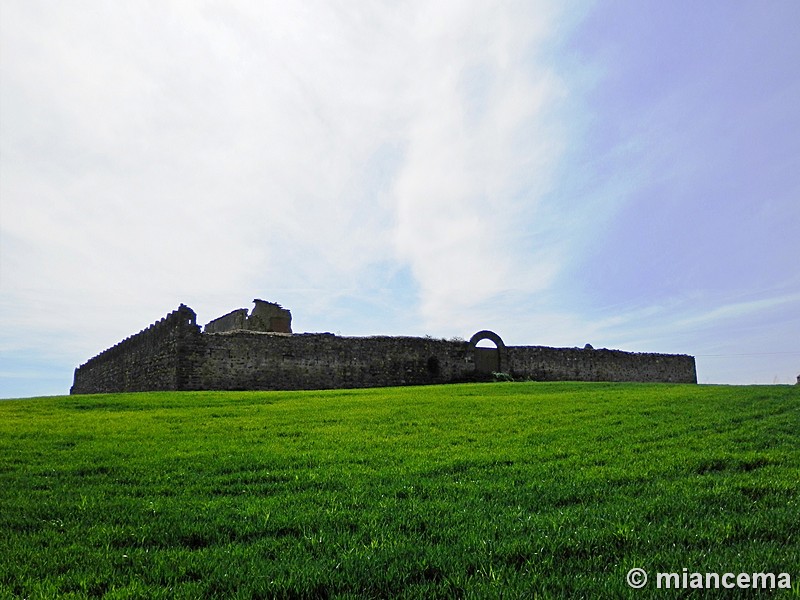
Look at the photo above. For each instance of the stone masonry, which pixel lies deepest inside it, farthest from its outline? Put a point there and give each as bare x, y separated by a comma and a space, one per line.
259, 352
266, 317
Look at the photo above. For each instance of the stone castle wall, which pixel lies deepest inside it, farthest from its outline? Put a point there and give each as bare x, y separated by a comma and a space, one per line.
174, 355
149, 360
247, 360
575, 364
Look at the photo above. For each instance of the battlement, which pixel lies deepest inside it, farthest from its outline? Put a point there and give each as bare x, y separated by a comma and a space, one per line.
257, 351
147, 360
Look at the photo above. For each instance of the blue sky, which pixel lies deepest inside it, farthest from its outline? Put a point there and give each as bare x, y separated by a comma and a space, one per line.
625, 174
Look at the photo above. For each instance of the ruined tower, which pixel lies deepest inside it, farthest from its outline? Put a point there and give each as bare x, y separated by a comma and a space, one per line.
265, 317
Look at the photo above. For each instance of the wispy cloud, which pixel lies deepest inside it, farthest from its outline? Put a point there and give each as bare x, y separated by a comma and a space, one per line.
155, 153
739, 310
481, 149
387, 167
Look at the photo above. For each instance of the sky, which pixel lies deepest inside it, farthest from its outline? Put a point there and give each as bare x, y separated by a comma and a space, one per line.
625, 174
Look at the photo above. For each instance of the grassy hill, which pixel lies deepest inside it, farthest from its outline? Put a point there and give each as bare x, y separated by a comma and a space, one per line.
513, 490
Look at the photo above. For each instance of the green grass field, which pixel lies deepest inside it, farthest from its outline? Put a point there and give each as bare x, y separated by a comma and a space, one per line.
512, 490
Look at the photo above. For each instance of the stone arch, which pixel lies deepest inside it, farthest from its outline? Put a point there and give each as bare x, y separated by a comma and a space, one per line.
488, 360
487, 335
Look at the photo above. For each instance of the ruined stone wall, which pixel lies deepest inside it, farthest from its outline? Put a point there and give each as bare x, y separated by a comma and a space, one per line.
269, 316
574, 364
248, 360
149, 360
234, 320
265, 316
172, 354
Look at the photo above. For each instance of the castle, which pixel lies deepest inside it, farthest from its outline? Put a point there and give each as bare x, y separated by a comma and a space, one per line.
257, 350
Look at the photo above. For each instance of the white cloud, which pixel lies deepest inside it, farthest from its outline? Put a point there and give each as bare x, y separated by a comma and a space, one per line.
152, 151
416, 161
306, 153
480, 152
738, 310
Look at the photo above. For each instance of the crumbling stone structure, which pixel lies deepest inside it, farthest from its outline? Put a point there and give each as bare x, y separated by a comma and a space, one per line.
266, 317
259, 352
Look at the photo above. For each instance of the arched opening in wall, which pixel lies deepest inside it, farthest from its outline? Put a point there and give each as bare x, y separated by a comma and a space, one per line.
487, 348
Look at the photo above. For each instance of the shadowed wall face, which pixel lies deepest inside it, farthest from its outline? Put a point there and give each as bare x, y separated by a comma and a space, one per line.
147, 361
172, 354
247, 360
540, 363
487, 361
